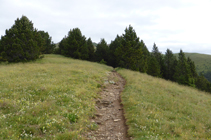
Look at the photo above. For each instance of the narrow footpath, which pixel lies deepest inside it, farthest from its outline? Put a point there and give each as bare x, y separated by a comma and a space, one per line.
110, 115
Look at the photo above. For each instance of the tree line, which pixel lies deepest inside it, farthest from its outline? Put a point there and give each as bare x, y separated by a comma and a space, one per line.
23, 42
128, 51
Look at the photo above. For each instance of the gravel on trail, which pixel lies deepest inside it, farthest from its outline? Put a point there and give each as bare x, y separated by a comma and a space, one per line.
110, 115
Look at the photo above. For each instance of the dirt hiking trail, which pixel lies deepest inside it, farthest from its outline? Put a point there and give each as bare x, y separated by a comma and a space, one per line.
110, 115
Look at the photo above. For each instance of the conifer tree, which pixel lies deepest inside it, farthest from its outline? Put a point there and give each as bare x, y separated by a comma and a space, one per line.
102, 52
129, 53
48, 45
62, 46
153, 67
21, 42
202, 83
1, 47
193, 73
1, 50
182, 73
112, 49
192, 68
75, 45
91, 50
169, 61
159, 57
145, 58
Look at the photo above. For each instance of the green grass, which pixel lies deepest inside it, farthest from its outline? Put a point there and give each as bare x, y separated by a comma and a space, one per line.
51, 98
160, 109
202, 61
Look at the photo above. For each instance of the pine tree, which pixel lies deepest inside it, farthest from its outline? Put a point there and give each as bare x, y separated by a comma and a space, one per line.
193, 73
202, 83
182, 74
145, 57
102, 52
112, 49
21, 42
62, 45
75, 45
1, 47
169, 61
129, 53
91, 50
153, 67
174, 69
1, 50
48, 45
159, 57
192, 68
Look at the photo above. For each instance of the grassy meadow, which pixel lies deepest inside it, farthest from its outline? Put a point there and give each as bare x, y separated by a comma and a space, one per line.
51, 98
160, 109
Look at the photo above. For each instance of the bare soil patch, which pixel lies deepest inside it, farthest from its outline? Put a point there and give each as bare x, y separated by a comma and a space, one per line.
110, 114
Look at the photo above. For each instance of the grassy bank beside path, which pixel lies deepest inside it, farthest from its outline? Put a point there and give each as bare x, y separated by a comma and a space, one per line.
160, 109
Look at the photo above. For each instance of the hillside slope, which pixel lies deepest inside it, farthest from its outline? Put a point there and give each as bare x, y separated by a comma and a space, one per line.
51, 98
160, 109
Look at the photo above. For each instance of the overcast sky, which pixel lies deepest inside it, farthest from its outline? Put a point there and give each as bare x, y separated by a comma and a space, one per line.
173, 24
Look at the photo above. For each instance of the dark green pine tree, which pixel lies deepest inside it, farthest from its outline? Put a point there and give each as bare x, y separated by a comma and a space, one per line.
75, 45
91, 49
48, 45
153, 67
193, 73
1, 50
145, 58
21, 42
62, 45
159, 57
112, 49
202, 83
182, 74
129, 53
169, 61
102, 52
1, 47
192, 67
